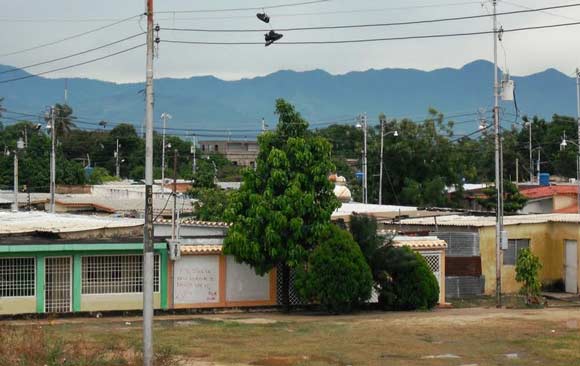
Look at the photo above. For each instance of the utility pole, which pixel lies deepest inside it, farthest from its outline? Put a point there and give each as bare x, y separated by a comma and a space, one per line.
578, 154
363, 124
530, 147
52, 158
148, 234
117, 170
498, 183
193, 151
15, 206
164, 117
517, 170
382, 122
174, 193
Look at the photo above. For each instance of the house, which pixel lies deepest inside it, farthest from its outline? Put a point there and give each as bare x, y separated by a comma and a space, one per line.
243, 153
68, 263
551, 199
470, 259
61, 263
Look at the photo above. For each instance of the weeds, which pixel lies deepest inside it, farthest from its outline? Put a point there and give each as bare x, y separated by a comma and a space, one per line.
36, 346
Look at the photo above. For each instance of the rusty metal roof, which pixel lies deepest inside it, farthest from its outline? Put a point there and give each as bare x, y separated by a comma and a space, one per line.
201, 249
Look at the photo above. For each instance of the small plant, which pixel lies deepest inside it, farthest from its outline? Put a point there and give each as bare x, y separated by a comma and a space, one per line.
337, 275
528, 268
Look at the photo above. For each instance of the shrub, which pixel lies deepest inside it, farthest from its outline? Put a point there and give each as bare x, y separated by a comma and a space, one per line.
406, 283
527, 272
336, 275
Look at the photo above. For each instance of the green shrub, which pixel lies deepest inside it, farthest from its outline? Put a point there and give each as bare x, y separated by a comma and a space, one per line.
527, 273
337, 275
406, 282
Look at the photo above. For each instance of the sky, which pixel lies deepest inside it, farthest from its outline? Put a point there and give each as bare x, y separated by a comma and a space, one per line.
30, 23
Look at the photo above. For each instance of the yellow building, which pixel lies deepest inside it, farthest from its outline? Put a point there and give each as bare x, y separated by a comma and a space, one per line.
471, 242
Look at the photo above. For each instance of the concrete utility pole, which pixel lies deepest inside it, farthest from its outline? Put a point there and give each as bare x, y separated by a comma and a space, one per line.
164, 117
174, 193
531, 158
148, 234
362, 123
117, 169
52, 158
498, 183
19, 146
193, 152
382, 122
578, 154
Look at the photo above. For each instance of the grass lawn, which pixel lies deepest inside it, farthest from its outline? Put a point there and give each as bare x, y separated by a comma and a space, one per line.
482, 336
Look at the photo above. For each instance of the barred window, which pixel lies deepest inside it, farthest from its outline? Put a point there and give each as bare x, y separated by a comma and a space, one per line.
115, 274
17, 277
510, 255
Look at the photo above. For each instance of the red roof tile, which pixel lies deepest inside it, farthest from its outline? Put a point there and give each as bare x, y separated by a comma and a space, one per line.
549, 191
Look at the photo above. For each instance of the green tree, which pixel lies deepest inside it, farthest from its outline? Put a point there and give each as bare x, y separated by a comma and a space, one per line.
64, 119
513, 199
337, 275
212, 203
283, 208
528, 268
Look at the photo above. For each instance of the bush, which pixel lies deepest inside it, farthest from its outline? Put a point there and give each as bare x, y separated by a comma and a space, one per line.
337, 275
406, 283
527, 272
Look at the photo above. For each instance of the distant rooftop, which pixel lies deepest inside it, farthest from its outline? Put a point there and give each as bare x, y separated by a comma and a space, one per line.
362, 208
483, 221
42, 222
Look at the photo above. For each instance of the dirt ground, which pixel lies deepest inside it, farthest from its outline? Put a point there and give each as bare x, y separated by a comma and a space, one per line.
473, 336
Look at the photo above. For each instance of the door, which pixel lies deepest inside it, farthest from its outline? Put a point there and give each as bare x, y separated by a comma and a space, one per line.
571, 266
57, 285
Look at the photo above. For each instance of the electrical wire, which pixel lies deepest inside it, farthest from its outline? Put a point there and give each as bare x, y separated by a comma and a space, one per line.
543, 11
242, 9
331, 27
364, 40
74, 65
74, 36
71, 55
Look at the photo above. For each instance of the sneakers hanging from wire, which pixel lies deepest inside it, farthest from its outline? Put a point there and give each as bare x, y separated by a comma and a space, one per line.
272, 37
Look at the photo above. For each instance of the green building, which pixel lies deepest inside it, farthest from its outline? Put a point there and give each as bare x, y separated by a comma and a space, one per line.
69, 263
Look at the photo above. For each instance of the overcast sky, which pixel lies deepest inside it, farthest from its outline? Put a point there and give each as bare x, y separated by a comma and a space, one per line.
30, 23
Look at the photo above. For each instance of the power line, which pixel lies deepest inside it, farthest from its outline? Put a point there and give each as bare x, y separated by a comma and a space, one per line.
71, 55
426, 21
543, 11
364, 40
72, 66
69, 37
242, 9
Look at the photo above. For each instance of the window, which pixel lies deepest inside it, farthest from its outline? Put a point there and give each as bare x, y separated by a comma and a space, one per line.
115, 274
216, 148
510, 255
17, 277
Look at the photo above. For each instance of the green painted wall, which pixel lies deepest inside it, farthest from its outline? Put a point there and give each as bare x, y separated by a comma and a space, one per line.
77, 251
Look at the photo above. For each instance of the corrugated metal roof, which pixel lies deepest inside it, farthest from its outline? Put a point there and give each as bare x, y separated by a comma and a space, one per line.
196, 223
26, 222
419, 242
482, 221
349, 208
201, 249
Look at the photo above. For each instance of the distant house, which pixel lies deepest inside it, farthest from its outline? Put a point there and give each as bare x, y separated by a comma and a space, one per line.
470, 260
551, 199
243, 153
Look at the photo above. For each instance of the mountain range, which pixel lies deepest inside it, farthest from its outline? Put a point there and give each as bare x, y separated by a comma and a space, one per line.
207, 102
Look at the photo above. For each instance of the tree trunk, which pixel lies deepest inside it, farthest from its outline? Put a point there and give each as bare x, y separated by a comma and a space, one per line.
286, 288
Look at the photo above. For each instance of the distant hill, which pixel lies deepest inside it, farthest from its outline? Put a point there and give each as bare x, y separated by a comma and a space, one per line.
208, 102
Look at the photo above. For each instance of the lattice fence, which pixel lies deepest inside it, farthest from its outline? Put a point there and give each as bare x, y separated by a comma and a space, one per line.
294, 298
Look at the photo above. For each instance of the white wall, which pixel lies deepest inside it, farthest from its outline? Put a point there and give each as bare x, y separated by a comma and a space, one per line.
196, 279
242, 283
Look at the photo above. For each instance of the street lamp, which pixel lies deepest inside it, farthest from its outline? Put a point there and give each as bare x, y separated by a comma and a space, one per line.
383, 134
164, 117
19, 146
563, 145
362, 123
